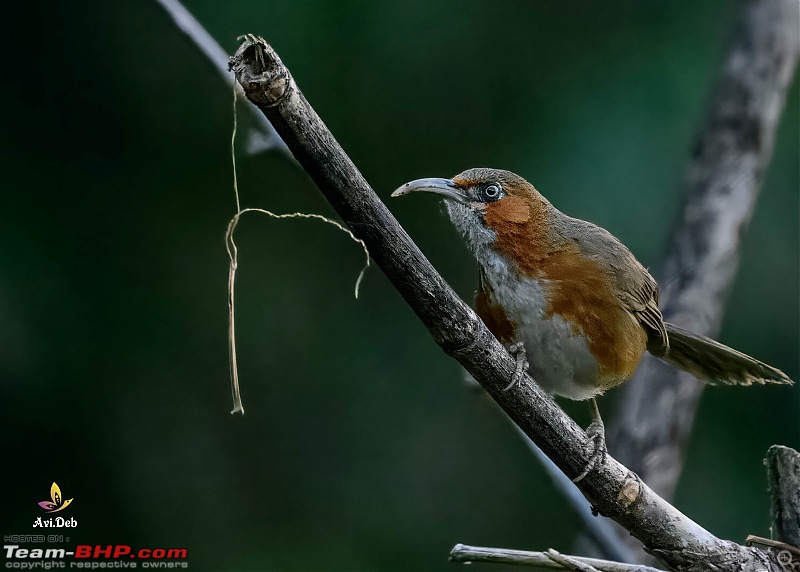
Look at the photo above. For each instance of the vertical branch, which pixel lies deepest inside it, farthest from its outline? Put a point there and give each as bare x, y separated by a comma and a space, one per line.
783, 477
729, 158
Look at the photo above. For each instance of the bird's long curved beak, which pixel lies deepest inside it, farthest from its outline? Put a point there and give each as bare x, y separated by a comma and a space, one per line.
445, 187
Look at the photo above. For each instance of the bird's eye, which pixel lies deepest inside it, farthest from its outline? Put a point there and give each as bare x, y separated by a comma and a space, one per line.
492, 192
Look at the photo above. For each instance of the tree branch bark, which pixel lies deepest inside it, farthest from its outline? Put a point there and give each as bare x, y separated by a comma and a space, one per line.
602, 532
611, 488
730, 155
783, 478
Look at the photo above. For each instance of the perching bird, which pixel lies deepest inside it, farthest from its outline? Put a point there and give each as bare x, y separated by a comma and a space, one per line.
568, 296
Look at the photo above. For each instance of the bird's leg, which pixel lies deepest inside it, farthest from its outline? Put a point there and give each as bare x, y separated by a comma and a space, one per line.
517, 349
596, 432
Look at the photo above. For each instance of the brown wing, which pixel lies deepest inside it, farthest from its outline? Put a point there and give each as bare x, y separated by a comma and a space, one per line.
636, 290
641, 299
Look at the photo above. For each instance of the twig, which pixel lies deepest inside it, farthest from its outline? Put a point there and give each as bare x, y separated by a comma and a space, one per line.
262, 138
541, 560
569, 562
753, 539
611, 488
729, 158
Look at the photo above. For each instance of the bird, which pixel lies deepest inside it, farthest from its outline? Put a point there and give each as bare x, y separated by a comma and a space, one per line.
567, 299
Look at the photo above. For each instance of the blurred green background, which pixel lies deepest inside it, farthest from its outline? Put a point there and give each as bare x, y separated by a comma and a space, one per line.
361, 447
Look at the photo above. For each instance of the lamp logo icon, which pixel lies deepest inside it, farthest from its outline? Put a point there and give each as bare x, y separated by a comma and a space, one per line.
57, 502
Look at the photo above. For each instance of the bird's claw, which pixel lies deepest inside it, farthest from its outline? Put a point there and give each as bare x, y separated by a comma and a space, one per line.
518, 351
596, 432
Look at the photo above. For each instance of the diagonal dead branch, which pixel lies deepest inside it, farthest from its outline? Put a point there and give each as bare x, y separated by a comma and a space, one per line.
612, 489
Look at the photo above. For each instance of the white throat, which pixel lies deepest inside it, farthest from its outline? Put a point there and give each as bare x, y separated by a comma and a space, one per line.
468, 220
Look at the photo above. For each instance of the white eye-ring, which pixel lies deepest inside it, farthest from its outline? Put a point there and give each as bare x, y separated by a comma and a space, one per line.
492, 192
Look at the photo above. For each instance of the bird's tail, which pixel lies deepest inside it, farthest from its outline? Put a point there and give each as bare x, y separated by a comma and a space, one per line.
715, 363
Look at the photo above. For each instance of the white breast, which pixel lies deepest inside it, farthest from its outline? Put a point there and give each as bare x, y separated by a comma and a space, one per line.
559, 356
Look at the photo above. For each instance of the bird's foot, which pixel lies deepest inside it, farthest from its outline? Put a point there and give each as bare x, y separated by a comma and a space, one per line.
518, 351
596, 432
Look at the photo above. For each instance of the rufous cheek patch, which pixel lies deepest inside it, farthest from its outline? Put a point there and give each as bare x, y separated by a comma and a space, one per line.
510, 209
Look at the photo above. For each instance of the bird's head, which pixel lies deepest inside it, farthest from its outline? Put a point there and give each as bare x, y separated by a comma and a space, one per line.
490, 207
